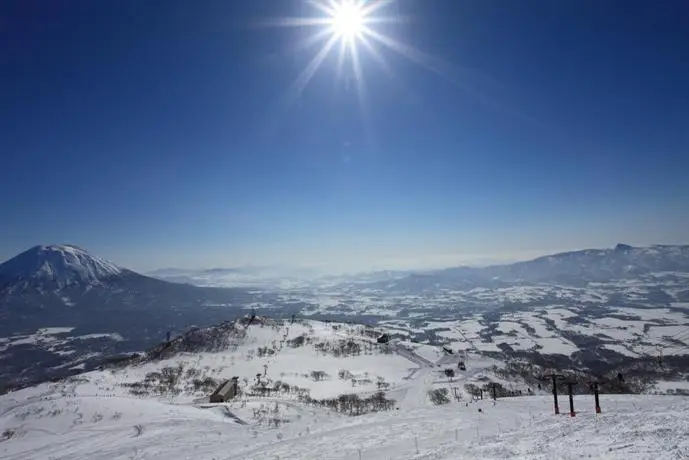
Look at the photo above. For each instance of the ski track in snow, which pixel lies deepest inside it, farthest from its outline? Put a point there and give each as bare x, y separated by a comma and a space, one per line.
631, 427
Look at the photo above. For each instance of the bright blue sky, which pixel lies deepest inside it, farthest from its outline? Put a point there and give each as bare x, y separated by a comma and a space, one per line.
158, 133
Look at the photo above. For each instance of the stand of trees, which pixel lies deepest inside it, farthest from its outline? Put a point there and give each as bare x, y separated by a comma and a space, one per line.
353, 404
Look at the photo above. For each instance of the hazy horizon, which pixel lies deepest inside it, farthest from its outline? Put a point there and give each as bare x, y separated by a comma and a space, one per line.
439, 133
426, 261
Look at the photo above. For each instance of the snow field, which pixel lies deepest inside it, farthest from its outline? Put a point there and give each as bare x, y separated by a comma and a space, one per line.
630, 427
633, 333
95, 416
52, 338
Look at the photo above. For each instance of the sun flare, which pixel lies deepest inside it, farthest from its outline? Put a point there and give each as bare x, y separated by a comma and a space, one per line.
348, 21
356, 31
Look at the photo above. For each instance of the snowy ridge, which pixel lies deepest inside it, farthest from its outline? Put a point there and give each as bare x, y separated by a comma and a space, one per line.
56, 266
622, 261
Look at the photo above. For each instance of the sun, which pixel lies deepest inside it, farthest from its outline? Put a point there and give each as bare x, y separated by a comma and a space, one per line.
348, 21
354, 30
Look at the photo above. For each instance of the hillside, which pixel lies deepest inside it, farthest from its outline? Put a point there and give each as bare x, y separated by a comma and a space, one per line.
298, 382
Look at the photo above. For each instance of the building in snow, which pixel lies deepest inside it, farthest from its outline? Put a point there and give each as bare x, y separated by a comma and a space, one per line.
226, 391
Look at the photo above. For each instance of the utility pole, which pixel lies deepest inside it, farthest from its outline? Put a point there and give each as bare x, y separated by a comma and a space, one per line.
494, 388
570, 391
554, 377
595, 396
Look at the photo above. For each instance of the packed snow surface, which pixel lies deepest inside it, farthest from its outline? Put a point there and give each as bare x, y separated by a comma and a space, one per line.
108, 415
57, 426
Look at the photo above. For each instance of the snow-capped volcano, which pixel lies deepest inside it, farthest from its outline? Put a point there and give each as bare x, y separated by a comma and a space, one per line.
112, 309
56, 266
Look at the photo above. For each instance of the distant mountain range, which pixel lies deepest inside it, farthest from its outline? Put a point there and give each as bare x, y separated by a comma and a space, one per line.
576, 268
68, 273
62, 308
592, 265
572, 268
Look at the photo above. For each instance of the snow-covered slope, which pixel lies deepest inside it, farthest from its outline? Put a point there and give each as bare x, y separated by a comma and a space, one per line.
293, 377
157, 408
314, 359
56, 266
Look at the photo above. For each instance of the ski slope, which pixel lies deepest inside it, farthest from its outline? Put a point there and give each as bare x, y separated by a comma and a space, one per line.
106, 428
98, 415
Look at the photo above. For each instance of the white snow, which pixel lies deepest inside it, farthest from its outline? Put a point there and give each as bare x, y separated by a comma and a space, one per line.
55, 330
95, 416
680, 305
56, 422
672, 385
653, 314
51, 338
112, 336
62, 264
621, 349
67, 301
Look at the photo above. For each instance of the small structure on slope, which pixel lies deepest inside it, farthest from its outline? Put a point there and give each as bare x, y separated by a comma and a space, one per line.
385, 338
226, 391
